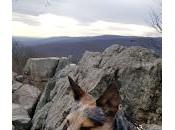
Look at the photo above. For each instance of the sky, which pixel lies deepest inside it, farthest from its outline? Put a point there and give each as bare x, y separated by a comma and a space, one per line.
47, 18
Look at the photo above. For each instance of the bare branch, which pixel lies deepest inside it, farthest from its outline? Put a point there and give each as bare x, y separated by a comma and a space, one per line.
20, 54
156, 16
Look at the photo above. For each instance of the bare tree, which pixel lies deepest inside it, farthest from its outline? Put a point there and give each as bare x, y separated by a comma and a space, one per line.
156, 15
20, 54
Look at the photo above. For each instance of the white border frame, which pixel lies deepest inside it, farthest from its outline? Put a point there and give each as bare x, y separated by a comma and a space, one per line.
168, 65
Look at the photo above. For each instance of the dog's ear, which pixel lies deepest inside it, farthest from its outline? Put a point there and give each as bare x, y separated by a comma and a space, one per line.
110, 100
78, 93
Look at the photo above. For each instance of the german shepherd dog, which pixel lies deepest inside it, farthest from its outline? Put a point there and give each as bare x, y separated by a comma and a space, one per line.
90, 115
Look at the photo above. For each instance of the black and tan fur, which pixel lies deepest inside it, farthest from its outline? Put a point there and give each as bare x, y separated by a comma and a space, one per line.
95, 115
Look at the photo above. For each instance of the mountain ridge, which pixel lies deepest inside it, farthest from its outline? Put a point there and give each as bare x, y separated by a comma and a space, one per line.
76, 46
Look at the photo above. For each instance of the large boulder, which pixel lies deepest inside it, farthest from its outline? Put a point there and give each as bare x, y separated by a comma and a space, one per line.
20, 118
37, 71
41, 68
27, 96
137, 71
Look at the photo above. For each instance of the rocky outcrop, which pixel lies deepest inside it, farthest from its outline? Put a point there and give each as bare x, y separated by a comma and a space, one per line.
25, 88
37, 71
24, 100
20, 118
27, 96
135, 69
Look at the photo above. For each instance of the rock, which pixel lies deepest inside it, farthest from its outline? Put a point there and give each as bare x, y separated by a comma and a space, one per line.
14, 75
152, 127
137, 71
41, 68
45, 102
19, 78
27, 96
37, 71
13, 127
62, 63
40, 116
16, 85
20, 118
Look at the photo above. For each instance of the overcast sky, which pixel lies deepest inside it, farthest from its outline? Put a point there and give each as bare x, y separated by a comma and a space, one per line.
46, 18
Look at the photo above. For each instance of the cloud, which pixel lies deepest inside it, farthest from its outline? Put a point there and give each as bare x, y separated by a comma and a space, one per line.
27, 19
125, 11
55, 25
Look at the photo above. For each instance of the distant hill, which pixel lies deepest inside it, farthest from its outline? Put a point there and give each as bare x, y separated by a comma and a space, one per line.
76, 46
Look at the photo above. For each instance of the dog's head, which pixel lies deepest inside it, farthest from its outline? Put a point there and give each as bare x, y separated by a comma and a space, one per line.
91, 113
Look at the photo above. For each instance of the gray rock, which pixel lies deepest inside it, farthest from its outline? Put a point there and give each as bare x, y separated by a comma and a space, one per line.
45, 102
19, 78
41, 68
13, 127
39, 118
27, 96
152, 127
16, 85
20, 118
137, 70
62, 63
37, 71
14, 75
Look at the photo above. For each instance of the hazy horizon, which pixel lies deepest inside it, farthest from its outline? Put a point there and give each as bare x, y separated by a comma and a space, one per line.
14, 36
